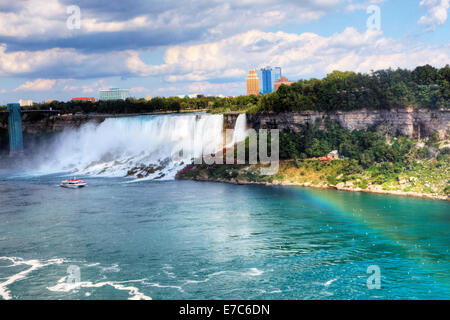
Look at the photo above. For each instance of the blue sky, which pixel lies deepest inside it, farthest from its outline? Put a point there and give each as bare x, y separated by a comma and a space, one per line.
173, 47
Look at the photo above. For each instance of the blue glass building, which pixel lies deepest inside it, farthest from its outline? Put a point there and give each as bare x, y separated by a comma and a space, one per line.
267, 77
276, 75
259, 74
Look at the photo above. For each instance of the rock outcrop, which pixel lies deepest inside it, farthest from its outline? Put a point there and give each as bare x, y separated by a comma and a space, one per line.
409, 122
37, 126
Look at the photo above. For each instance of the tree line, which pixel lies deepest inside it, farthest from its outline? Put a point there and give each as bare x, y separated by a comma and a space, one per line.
424, 87
156, 104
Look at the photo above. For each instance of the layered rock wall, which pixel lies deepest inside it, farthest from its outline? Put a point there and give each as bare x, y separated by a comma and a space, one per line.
409, 122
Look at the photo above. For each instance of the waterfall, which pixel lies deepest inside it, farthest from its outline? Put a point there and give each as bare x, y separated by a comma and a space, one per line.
151, 147
240, 129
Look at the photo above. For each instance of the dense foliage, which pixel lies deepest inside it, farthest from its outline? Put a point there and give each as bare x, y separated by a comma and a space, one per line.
425, 87
373, 160
156, 104
365, 147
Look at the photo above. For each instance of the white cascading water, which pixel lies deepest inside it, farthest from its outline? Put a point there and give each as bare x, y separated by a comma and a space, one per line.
240, 129
151, 147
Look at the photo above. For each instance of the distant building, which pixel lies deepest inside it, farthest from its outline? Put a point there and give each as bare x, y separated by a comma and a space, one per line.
148, 97
333, 155
91, 99
25, 103
114, 94
252, 83
282, 80
275, 76
49, 101
267, 78
194, 95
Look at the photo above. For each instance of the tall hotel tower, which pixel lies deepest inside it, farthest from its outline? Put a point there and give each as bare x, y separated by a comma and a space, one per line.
268, 76
252, 83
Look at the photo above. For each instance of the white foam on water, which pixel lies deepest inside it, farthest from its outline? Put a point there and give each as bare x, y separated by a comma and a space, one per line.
196, 281
34, 265
93, 264
275, 291
64, 286
168, 273
253, 272
113, 268
329, 282
157, 285
215, 274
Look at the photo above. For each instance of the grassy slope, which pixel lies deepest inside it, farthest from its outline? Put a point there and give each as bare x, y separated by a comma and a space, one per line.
429, 177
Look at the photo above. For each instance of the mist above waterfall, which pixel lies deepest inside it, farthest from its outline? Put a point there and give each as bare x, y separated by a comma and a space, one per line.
151, 147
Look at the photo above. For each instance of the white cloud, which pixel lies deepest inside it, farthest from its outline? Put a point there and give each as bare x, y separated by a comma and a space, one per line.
46, 19
33, 17
61, 63
299, 55
203, 87
353, 6
436, 13
37, 85
221, 66
70, 88
93, 25
91, 88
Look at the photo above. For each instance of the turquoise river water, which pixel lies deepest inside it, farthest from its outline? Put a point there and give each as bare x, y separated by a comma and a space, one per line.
193, 240
159, 238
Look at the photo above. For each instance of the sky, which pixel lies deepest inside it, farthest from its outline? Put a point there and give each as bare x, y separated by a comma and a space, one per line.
60, 49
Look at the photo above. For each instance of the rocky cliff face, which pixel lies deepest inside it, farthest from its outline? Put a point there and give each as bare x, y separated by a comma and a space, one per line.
410, 122
41, 123
40, 126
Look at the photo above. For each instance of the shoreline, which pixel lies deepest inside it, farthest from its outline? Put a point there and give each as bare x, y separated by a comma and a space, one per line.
310, 185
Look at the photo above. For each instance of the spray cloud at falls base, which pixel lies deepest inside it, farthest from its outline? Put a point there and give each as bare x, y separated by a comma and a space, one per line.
148, 147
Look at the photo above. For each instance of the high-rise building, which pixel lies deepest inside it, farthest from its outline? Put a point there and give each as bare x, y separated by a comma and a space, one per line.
276, 75
268, 76
25, 103
282, 80
114, 94
252, 83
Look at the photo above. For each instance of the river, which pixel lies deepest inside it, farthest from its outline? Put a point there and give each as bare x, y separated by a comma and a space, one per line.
125, 238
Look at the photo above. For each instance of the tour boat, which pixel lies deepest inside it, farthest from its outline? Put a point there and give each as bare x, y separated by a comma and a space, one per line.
73, 183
